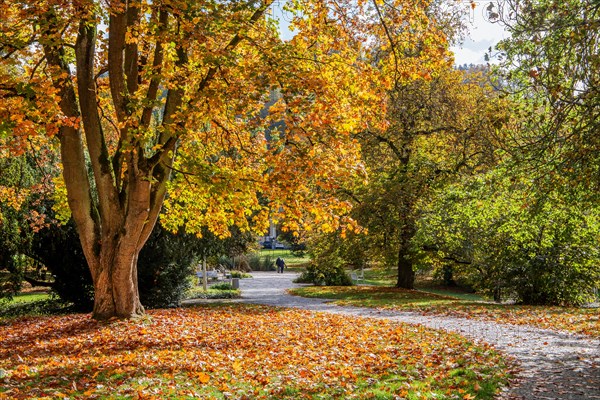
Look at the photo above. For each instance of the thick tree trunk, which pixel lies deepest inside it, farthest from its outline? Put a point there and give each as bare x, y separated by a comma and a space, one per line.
116, 288
406, 274
115, 269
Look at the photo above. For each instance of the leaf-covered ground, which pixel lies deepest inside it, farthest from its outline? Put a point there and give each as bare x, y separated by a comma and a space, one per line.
578, 320
240, 352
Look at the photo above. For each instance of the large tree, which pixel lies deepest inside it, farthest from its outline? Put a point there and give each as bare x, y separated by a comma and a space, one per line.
551, 63
438, 129
136, 90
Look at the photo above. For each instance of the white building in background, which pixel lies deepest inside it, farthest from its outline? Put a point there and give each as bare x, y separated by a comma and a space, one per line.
269, 241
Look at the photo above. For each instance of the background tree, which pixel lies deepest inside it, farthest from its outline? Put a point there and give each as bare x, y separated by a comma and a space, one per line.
506, 240
551, 62
438, 128
23, 186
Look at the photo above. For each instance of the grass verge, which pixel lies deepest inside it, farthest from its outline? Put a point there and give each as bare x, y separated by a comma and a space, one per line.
578, 320
10, 310
291, 260
220, 292
245, 352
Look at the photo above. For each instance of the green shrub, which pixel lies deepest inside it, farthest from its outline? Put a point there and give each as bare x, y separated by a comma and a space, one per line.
258, 263
327, 275
328, 262
164, 265
240, 275
59, 249
222, 286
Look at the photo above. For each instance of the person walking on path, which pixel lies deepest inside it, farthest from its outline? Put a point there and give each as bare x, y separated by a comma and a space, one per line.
280, 263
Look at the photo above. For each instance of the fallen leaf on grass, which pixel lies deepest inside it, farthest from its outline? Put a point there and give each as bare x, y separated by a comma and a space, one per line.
260, 351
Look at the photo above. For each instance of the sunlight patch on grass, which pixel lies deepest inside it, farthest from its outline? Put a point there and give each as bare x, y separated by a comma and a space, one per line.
29, 297
291, 260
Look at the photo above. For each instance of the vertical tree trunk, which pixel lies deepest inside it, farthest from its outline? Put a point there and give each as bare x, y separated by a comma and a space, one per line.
406, 274
115, 281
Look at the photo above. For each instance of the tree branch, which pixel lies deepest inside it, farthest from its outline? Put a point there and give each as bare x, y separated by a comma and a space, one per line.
237, 38
88, 101
71, 144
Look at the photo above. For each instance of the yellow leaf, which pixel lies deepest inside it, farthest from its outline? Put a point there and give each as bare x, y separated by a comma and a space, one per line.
237, 366
203, 377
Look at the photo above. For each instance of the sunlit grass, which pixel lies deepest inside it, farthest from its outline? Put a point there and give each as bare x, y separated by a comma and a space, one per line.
29, 297
291, 260
578, 320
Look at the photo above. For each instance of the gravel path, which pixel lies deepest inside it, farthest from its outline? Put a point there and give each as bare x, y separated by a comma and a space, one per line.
554, 365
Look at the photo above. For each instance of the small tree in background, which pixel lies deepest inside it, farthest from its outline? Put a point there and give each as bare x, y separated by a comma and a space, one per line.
328, 262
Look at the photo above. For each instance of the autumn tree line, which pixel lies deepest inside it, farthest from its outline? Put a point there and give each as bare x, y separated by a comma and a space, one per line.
177, 123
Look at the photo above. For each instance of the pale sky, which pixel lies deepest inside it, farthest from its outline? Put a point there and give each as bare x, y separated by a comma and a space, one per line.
483, 34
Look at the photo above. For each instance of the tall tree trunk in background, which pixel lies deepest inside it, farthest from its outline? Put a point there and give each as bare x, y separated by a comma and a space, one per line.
406, 273
406, 202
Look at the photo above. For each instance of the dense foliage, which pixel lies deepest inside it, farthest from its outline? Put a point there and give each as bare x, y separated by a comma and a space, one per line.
329, 261
503, 239
24, 183
551, 63
58, 248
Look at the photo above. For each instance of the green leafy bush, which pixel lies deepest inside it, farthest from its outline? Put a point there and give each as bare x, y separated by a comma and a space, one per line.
329, 259
258, 263
511, 244
164, 265
325, 275
59, 249
222, 286
240, 275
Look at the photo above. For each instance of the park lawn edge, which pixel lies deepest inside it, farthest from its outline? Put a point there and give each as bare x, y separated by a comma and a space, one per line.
583, 321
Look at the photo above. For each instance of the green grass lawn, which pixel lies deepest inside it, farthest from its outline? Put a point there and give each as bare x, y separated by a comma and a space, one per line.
291, 260
578, 320
375, 296
30, 304
198, 292
29, 297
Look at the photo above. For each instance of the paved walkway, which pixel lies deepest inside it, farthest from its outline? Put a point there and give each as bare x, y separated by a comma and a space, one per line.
554, 365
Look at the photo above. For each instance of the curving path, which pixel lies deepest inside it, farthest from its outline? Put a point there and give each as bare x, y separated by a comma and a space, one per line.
553, 365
